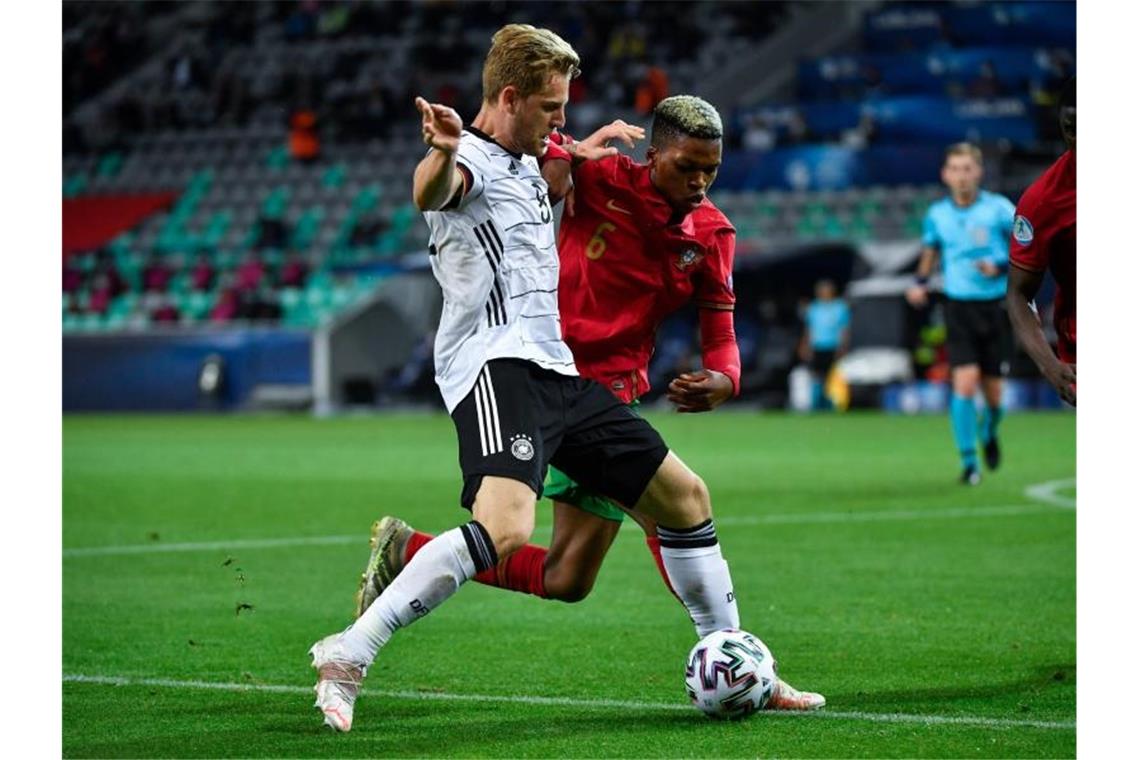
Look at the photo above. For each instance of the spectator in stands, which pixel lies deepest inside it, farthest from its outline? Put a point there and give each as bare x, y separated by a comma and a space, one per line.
74, 304
294, 271
102, 293
72, 276
986, 84
368, 228
758, 135
797, 131
654, 88
272, 232
228, 306
862, 134
304, 143
105, 265
202, 275
165, 313
251, 273
261, 306
156, 275
825, 336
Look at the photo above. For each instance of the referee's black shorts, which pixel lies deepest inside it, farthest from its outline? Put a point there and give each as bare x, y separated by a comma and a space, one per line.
519, 418
977, 332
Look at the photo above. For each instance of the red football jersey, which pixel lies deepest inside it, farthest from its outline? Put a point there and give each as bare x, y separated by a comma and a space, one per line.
1045, 237
624, 268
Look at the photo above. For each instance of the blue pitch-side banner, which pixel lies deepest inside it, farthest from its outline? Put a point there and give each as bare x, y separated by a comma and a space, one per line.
914, 118
159, 371
824, 167
922, 72
1008, 23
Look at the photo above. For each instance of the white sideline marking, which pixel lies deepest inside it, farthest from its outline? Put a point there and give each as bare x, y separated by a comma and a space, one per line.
1040, 492
1047, 492
884, 515
794, 518
204, 546
930, 720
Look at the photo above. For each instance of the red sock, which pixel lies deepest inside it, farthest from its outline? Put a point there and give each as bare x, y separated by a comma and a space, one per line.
654, 545
524, 571
415, 542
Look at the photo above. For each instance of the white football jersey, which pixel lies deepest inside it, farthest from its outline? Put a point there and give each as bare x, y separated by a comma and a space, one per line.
496, 259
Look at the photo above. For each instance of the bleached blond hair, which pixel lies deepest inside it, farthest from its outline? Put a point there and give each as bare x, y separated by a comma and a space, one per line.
526, 57
685, 116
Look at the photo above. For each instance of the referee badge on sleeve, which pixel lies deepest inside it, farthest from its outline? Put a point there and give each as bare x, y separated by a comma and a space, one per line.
1022, 230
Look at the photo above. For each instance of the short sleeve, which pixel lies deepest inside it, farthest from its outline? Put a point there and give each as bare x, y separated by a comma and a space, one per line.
1029, 241
930, 237
714, 288
472, 161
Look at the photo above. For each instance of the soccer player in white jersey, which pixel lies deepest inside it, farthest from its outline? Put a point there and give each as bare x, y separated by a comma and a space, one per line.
508, 380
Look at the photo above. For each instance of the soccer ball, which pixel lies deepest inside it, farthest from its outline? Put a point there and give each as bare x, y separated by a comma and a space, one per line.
730, 674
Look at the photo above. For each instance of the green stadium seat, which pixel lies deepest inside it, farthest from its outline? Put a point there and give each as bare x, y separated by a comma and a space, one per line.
275, 202
366, 199
75, 185
333, 176
216, 229
278, 158
307, 227
109, 164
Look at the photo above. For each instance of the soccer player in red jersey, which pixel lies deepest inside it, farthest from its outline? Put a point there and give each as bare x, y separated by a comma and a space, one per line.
636, 243
1045, 237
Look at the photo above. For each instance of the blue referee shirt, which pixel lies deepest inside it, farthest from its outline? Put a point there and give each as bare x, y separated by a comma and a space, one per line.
966, 236
826, 321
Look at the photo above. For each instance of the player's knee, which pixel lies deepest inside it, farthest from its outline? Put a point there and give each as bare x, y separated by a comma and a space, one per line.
567, 587
699, 503
509, 538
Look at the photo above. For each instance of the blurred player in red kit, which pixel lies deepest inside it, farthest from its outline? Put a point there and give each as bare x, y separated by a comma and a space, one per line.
1045, 238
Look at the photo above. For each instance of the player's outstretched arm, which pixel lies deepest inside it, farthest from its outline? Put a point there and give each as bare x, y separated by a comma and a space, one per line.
437, 179
1020, 292
598, 145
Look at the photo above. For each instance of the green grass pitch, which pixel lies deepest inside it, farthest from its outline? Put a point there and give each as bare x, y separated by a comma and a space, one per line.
940, 621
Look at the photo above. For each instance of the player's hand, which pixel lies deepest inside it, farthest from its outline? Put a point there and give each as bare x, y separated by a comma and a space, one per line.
988, 268
700, 391
598, 145
1063, 377
441, 126
917, 296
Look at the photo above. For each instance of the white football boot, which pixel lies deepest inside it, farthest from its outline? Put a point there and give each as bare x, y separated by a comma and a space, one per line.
785, 697
338, 682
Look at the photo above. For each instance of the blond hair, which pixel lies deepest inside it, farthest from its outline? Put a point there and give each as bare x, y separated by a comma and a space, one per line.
526, 57
964, 149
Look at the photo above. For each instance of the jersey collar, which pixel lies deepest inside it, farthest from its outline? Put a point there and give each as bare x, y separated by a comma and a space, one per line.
484, 136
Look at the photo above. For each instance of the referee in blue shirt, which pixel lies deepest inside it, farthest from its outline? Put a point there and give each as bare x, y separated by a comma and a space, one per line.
969, 230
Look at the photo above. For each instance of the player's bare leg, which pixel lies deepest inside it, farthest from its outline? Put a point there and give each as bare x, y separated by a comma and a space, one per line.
964, 420
992, 386
678, 501
577, 547
503, 514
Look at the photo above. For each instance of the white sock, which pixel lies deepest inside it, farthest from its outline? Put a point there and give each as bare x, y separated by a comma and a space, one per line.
435, 573
699, 575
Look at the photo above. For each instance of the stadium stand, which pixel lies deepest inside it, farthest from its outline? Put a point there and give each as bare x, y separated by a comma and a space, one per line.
270, 144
